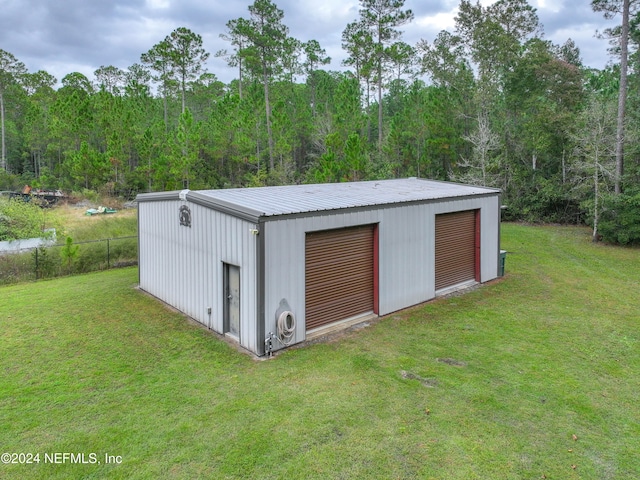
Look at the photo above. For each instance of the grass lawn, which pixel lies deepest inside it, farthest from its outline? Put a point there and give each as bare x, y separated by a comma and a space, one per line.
82, 227
534, 376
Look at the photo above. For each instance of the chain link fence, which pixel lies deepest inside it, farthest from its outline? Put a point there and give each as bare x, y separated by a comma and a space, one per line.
42, 262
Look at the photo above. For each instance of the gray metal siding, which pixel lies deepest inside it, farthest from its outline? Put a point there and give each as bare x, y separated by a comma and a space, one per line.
406, 263
406, 253
285, 260
489, 230
184, 266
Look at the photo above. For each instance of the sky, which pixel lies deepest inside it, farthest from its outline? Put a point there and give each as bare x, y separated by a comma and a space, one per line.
65, 36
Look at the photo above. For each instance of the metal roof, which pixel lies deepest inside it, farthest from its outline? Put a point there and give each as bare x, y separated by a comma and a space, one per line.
300, 199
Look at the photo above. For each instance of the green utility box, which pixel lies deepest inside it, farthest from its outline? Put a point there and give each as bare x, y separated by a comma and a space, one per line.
503, 260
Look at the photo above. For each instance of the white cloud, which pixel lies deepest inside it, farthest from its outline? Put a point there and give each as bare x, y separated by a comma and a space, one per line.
82, 35
592, 50
439, 21
552, 5
157, 4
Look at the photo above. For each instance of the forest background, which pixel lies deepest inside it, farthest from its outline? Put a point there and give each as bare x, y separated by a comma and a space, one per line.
491, 103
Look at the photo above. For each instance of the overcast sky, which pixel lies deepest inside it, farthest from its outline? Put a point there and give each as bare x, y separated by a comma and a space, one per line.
64, 36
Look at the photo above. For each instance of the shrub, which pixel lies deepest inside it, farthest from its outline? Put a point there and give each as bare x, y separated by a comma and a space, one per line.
620, 222
69, 253
20, 219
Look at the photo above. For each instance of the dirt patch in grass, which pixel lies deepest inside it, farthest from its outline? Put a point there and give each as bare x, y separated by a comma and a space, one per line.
452, 361
427, 382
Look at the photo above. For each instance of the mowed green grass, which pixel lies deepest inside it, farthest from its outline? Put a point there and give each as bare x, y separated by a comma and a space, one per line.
493, 384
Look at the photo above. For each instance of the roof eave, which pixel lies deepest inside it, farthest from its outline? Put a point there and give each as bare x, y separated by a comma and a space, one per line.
254, 216
245, 213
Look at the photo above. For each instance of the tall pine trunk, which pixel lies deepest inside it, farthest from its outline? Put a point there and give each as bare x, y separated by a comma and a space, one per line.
3, 160
380, 106
622, 96
596, 206
268, 112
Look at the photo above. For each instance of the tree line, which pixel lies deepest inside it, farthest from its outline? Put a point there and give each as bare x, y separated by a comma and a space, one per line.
490, 103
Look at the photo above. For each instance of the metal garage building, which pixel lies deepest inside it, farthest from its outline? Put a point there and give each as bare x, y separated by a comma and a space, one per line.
273, 266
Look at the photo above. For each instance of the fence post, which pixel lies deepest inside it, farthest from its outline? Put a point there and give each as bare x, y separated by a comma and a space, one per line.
36, 263
108, 256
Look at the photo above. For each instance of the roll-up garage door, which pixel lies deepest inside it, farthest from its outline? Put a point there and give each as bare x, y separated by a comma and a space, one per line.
339, 274
457, 245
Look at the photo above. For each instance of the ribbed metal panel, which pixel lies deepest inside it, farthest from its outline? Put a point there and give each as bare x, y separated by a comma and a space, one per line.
338, 275
327, 197
285, 261
183, 266
405, 256
406, 245
455, 248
